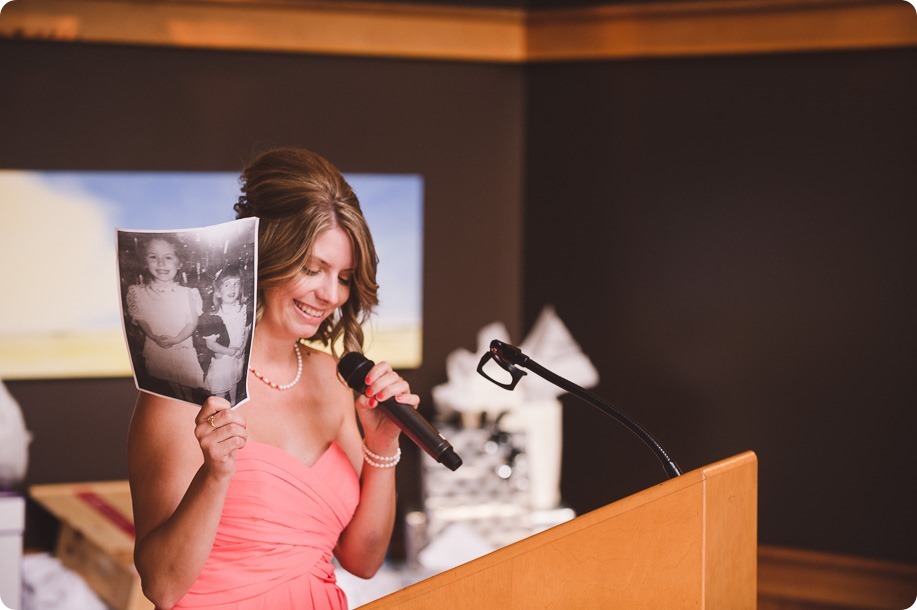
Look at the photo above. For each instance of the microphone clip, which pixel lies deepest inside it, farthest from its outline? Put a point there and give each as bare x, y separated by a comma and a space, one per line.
506, 356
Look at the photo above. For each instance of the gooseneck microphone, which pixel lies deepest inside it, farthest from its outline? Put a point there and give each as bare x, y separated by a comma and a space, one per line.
509, 358
354, 367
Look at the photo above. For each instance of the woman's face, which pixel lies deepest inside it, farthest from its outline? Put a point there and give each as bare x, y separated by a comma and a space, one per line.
161, 260
298, 306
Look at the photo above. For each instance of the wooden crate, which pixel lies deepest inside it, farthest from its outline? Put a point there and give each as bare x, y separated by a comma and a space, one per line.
96, 538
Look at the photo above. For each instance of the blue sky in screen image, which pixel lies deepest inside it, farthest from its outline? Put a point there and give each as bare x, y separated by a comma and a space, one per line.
393, 207
392, 204
155, 200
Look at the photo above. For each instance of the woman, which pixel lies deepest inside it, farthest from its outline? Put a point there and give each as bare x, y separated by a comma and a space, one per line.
244, 508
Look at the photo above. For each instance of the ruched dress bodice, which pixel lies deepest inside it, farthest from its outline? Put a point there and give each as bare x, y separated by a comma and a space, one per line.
280, 523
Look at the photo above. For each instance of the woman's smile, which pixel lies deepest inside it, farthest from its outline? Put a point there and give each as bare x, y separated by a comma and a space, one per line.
310, 311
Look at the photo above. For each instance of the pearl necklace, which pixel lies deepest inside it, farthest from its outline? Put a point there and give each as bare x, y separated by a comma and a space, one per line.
285, 386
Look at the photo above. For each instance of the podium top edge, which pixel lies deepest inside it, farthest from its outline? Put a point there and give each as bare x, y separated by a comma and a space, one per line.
745, 458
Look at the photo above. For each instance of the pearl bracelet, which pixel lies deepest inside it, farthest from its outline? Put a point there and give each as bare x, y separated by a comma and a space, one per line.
381, 461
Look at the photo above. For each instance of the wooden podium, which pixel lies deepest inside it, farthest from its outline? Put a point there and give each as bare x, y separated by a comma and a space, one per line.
690, 542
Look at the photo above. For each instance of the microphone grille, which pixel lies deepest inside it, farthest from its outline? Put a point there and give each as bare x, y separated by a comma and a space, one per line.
354, 367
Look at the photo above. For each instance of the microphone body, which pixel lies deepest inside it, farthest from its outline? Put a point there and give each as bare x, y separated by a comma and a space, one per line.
354, 367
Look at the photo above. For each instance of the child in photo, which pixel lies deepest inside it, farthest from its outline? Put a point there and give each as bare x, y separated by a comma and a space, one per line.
167, 312
228, 363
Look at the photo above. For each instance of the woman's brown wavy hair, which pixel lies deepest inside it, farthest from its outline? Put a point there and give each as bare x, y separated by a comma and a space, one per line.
297, 195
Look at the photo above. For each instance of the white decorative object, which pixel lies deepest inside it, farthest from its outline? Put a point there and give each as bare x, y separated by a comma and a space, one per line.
14, 441
456, 544
542, 422
550, 344
533, 408
12, 524
50, 585
466, 392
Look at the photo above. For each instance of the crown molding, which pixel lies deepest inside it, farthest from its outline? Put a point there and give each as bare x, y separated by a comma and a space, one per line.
335, 28
716, 27
396, 30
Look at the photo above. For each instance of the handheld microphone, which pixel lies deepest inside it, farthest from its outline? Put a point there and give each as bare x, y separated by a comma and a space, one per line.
354, 367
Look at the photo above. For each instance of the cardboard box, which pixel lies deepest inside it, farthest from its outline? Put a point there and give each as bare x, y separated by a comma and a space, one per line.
96, 538
12, 523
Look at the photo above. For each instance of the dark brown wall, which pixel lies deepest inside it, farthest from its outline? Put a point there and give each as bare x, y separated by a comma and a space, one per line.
731, 239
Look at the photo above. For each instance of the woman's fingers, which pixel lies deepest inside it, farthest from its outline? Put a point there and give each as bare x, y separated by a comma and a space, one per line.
210, 410
383, 383
220, 432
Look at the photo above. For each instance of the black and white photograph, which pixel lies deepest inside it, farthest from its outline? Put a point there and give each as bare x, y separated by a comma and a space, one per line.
188, 300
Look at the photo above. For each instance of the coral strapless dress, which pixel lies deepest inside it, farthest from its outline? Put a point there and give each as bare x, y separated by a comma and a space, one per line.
280, 523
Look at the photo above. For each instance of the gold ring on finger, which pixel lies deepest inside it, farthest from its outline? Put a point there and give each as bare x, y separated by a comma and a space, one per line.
210, 420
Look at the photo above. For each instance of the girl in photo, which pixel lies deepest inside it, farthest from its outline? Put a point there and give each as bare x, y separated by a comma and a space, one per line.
228, 363
167, 312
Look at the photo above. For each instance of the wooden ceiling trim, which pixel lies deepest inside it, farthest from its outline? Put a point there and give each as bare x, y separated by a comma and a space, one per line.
716, 27
702, 27
336, 28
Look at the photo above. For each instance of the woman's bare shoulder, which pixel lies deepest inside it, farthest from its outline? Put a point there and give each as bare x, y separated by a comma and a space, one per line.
326, 366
